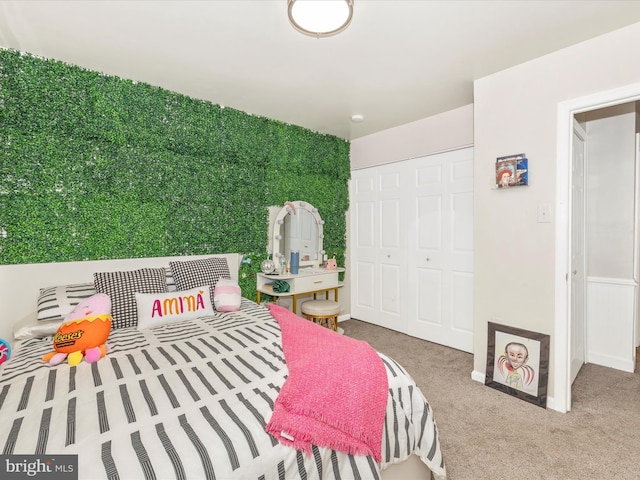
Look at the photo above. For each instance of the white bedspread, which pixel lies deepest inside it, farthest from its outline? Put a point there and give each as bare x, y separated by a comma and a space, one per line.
189, 401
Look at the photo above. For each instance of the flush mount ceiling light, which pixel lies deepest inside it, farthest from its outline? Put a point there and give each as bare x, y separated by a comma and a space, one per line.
320, 18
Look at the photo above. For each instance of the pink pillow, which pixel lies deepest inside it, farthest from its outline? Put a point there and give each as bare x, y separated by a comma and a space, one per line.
227, 295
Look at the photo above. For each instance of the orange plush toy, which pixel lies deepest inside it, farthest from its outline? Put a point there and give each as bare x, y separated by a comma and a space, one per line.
84, 332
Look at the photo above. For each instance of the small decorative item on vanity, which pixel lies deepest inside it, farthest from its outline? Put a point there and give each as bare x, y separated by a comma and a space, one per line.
295, 261
332, 263
267, 266
280, 286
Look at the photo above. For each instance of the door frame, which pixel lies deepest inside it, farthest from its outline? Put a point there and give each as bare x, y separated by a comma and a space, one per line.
579, 131
562, 341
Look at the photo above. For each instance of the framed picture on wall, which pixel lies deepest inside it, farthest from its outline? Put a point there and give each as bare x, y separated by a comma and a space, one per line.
518, 363
512, 171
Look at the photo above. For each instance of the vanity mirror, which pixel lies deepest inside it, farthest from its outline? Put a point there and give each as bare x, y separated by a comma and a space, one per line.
298, 226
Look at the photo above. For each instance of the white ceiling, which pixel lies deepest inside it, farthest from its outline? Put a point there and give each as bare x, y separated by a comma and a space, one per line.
399, 61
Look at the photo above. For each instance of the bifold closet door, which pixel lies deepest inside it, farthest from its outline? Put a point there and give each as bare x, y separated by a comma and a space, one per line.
378, 246
411, 247
440, 248
364, 243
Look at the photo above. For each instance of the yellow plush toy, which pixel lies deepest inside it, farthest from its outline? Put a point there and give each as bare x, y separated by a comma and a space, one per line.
84, 332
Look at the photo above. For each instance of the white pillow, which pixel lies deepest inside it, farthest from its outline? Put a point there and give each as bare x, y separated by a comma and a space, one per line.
30, 328
160, 308
227, 295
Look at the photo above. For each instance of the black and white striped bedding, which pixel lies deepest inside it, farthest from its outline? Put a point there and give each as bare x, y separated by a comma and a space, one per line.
188, 400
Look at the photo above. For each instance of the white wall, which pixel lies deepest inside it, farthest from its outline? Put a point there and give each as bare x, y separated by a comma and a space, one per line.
516, 111
439, 133
610, 188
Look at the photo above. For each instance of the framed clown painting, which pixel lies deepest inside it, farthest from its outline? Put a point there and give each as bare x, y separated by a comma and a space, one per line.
518, 363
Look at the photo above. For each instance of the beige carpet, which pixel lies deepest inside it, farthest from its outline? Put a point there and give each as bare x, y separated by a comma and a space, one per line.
487, 434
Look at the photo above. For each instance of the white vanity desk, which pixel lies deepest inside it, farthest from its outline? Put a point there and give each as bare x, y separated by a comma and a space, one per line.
308, 281
298, 227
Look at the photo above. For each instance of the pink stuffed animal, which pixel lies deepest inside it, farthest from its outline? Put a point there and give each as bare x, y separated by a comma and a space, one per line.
331, 264
84, 332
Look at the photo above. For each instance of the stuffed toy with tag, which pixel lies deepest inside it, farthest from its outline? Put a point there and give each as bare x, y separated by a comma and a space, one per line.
332, 263
84, 332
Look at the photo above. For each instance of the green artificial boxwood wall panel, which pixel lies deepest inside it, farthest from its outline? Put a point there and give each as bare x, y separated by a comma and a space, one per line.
96, 167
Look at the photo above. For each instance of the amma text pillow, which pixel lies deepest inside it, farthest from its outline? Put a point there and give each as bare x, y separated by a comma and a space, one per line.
160, 308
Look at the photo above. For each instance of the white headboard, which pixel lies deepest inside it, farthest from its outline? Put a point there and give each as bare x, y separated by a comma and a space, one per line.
21, 284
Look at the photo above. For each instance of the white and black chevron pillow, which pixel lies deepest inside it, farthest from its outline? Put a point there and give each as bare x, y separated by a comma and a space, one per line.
195, 273
55, 303
122, 287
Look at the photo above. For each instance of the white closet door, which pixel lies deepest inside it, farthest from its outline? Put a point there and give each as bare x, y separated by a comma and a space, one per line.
378, 246
364, 243
392, 254
411, 244
440, 249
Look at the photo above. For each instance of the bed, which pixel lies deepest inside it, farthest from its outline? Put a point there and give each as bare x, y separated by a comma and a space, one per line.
188, 399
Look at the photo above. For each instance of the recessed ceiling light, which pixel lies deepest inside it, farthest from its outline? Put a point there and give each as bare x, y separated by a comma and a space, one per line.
357, 118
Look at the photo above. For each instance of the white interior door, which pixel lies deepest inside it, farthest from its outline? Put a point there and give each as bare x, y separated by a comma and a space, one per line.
578, 330
411, 244
378, 246
440, 248
364, 244
392, 259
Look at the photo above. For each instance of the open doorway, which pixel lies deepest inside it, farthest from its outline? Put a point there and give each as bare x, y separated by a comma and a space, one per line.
604, 219
563, 332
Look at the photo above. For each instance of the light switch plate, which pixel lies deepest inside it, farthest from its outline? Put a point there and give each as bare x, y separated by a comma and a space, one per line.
544, 214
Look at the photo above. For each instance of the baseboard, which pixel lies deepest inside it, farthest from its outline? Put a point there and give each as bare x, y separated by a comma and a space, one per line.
346, 316
626, 365
477, 376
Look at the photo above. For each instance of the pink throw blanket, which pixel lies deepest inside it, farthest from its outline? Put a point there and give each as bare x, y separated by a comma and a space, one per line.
336, 393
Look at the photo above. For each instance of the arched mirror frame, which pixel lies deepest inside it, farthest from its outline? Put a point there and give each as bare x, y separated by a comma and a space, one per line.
278, 234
